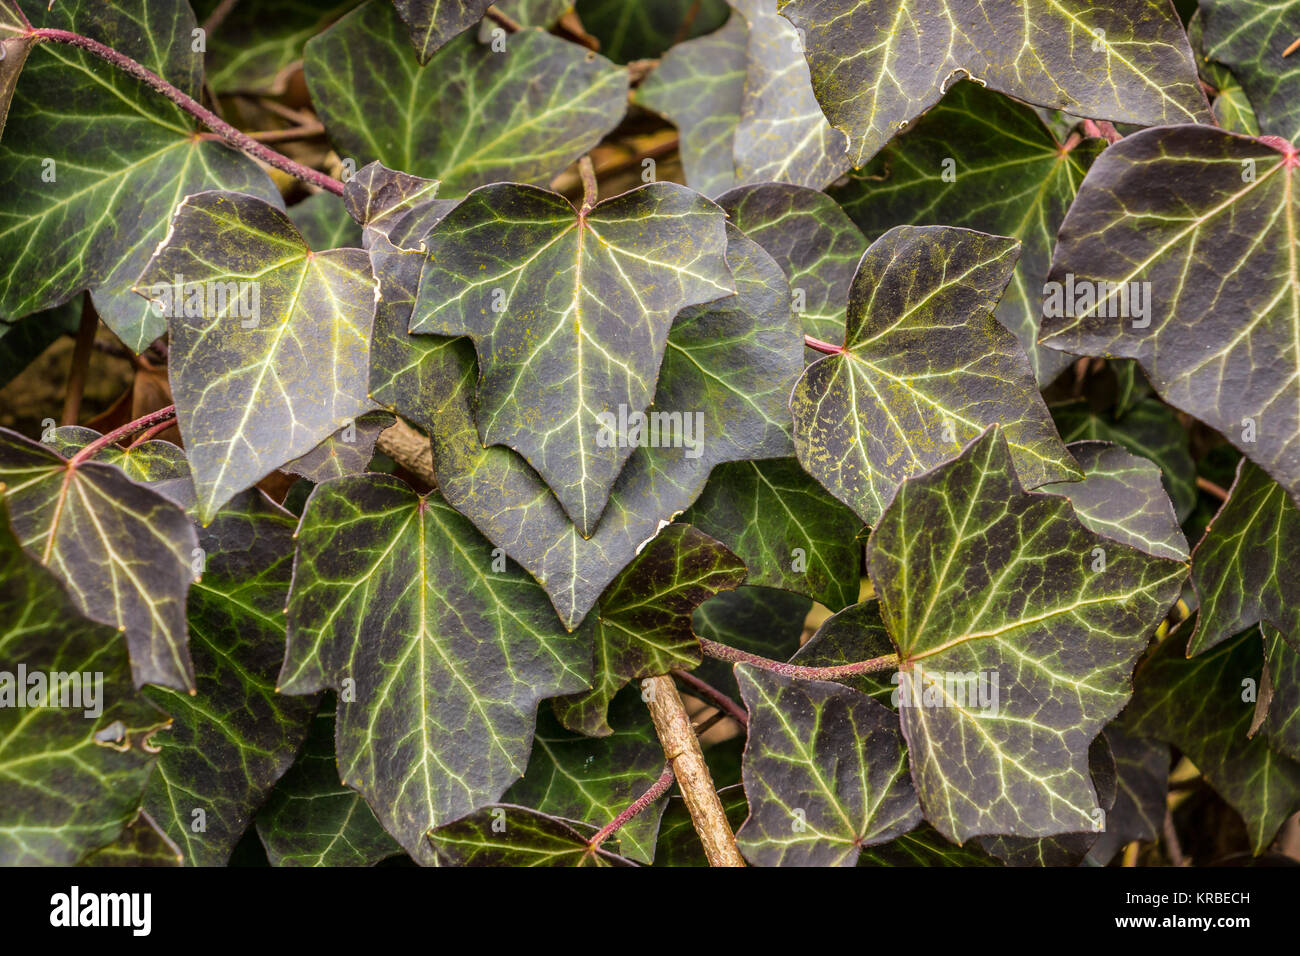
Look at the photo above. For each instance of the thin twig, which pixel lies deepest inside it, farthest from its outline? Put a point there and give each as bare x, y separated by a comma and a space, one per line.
657, 790
734, 655
710, 694
1172, 846
306, 131
1206, 485
196, 109
496, 16
682, 748
117, 434
705, 726
154, 432
590, 188
410, 449
218, 16
80, 362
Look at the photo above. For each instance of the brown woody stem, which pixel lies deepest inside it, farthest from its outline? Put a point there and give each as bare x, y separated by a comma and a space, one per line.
80, 363
682, 748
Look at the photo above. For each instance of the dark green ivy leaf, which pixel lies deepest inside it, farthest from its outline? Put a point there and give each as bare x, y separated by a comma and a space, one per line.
1244, 569
926, 846
1251, 38
1150, 429
787, 529
97, 530
439, 653
395, 205
1204, 706
71, 778
312, 819
986, 162
472, 115
593, 779
347, 452
432, 23
1216, 336
699, 86
825, 772
815, 243
979, 581
284, 364
635, 30
1121, 497
1141, 798
569, 313
732, 362
228, 745
925, 368
643, 622
506, 835
1280, 721
256, 47
141, 843
877, 66
324, 223
1231, 107
857, 633
94, 163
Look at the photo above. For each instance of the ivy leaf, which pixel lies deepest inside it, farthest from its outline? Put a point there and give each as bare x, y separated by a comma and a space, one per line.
284, 364
147, 462
925, 368
1200, 706
393, 205
570, 328
439, 657
764, 621
983, 161
432, 23
1149, 429
980, 580
1281, 718
506, 835
1244, 568
1221, 342
699, 86
679, 844
228, 745
23, 340
643, 622
311, 819
1142, 778
96, 530
732, 362
877, 66
815, 243
256, 48
1067, 849
472, 115
71, 775
825, 772
782, 136
140, 843
593, 780
94, 224
14, 47
925, 846
347, 452
635, 31
1121, 497
786, 528
1231, 107
324, 223
1252, 38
